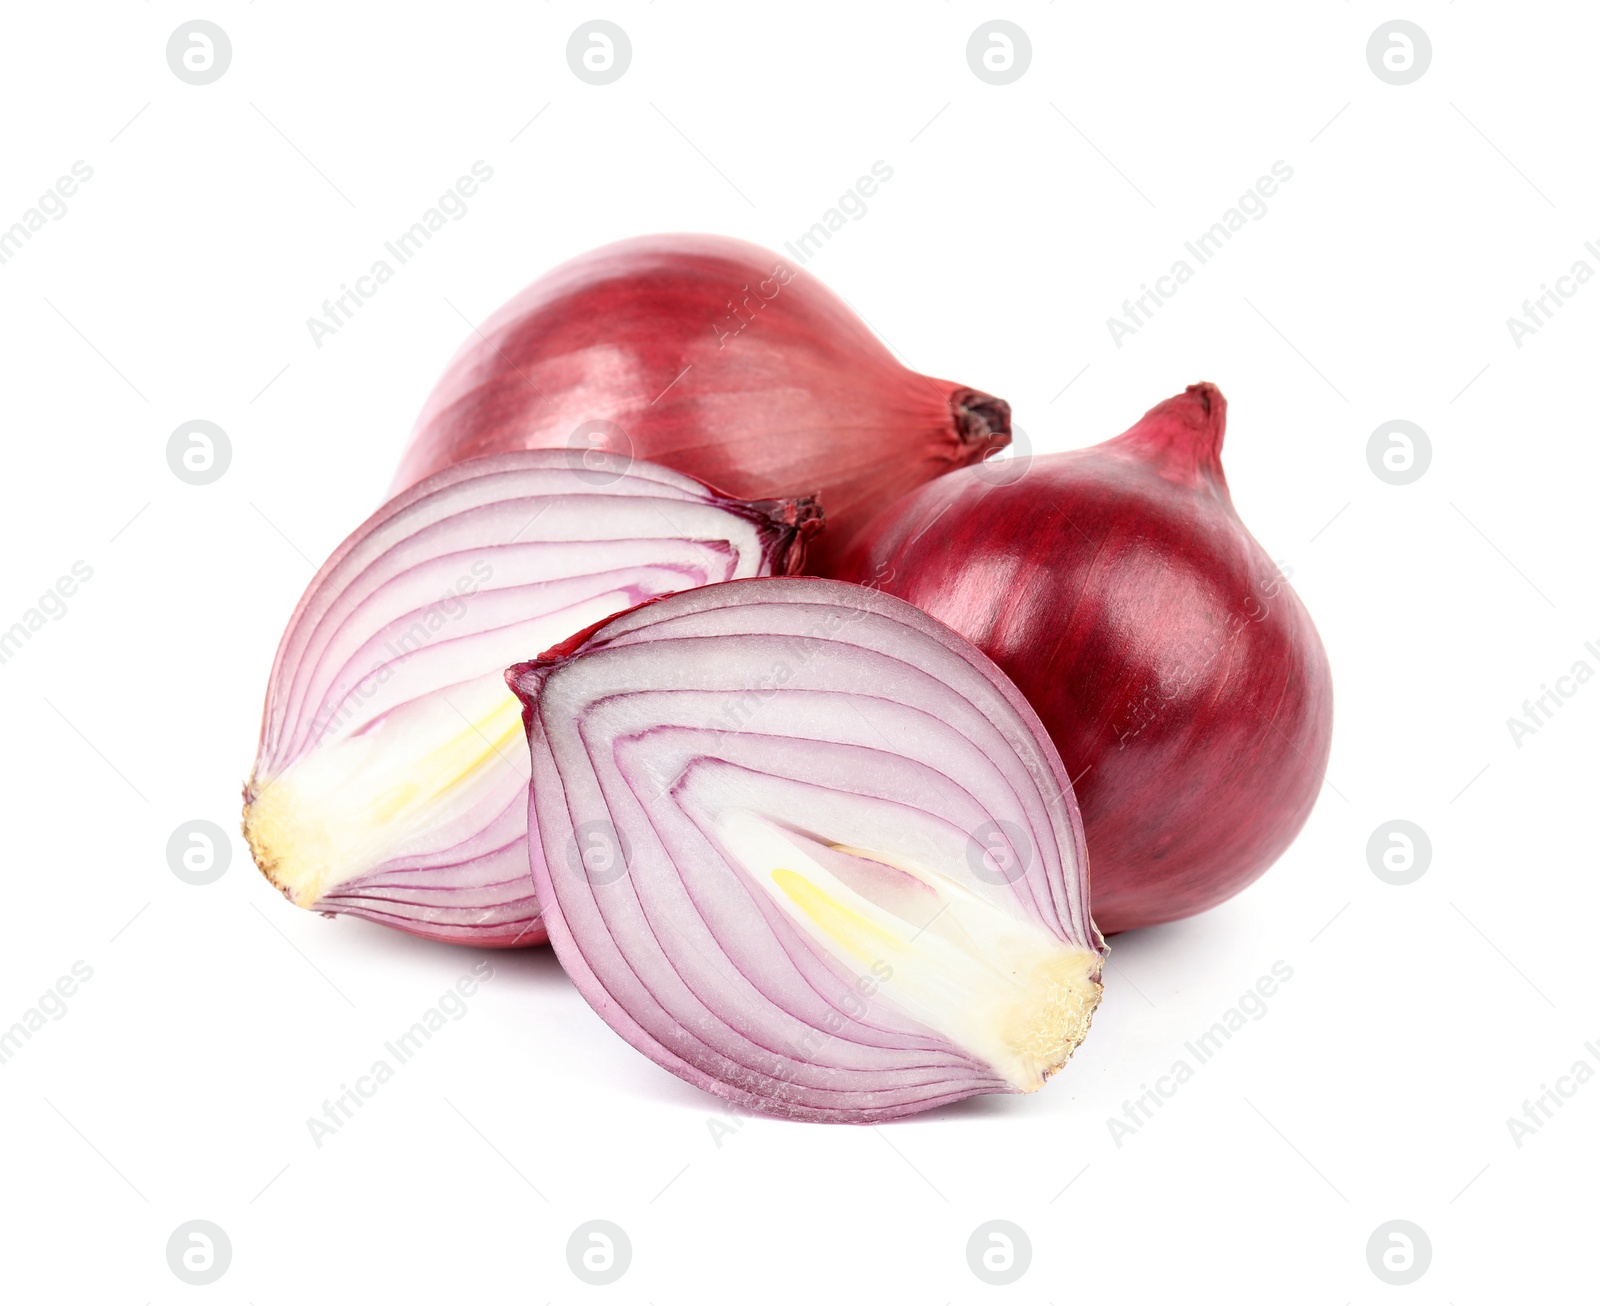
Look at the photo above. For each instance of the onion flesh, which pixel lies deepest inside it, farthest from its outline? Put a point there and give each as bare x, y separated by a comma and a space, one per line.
1179, 675
714, 357
809, 850
391, 777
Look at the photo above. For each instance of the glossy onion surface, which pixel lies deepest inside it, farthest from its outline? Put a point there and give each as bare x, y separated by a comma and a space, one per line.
1177, 672
714, 357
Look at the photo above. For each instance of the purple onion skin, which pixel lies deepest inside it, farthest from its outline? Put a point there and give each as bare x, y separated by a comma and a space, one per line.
1178, 674
713, 357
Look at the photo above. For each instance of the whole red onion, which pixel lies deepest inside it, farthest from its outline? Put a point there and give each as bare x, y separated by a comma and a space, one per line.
713, 357
1174, 668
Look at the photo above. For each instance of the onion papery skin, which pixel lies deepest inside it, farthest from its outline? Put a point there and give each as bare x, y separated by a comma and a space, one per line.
391, 777
762, 813
715, 357
1177, 672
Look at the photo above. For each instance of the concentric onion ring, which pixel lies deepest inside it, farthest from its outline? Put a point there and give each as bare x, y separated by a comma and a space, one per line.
808, 849
390, 781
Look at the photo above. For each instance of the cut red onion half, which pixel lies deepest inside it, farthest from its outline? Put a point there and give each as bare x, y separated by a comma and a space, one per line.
391, 782
810, 850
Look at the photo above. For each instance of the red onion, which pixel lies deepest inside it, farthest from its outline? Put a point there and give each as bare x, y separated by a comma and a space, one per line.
391, 781
1175, 669
714, 357
809, 850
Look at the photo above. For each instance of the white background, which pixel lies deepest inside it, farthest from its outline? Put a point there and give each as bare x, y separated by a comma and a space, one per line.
1378, 285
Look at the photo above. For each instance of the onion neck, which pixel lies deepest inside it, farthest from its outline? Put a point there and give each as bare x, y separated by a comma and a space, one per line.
982, 423
1181, 439
787, 527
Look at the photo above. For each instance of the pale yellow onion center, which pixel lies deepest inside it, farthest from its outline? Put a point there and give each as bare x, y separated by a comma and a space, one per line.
353, 803
999, 986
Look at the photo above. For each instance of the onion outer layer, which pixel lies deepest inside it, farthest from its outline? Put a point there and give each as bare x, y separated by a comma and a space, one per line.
715, 357
1178, 673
